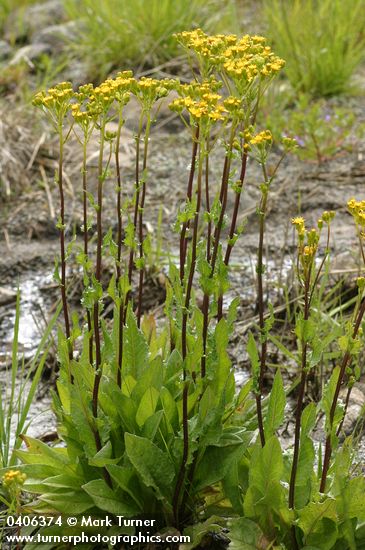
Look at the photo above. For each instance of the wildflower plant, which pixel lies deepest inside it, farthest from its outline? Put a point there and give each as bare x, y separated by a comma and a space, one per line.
151, 419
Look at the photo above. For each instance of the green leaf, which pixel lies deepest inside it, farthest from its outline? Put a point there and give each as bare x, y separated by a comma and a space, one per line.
104, 457
266, 464
169, 408
327, 401
127, 480
232, 311
147, 405
244, 534
276, 407
135, 356
151, 425
151, 377
318, 521
255, 360
216, 462
308, 419
305, 329
199, 531
305, 471
69, 503
153, 466
40, 453
351, 501
109, 500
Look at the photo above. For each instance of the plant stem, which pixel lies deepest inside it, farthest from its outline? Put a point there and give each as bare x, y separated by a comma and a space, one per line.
260, 295
193, 258
298, 415
140, 218
207, 201
98, 279
182, 471
232, 229
216, 240
189, 194
119, 252
345, 362
62, 242
181, 476
86, 238
223, 197
347, 400
135, 215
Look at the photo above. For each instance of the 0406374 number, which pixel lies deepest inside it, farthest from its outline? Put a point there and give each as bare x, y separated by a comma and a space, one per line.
34, 521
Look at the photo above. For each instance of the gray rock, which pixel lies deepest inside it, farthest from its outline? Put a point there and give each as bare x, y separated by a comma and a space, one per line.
7, 296
29, 53
24, 22
57, 37
356, 405
76, 72
5, 50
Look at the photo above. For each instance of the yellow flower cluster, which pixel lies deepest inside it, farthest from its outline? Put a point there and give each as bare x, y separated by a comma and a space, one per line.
326, 217
92, 102
262, 138
299, 224
149, 90
242, 59
249, 58
204, 45
200, 100
308, 239
357, 209
88, 103
56, 99
118, 89
13, 477
234, 107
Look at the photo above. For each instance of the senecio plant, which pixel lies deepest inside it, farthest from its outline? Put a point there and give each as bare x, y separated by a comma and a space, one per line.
150, 419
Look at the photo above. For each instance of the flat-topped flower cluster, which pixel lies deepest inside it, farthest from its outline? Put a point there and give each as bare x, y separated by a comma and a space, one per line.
244, 66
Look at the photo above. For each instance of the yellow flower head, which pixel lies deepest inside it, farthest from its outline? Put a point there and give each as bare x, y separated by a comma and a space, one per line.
298, 221
200, 100
262, 139
357, 209
13, 478
149, 90
56, 102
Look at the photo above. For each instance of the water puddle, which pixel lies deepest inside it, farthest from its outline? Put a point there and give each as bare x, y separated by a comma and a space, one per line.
34, 304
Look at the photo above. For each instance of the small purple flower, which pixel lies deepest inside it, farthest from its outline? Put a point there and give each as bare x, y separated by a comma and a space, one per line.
299, 141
